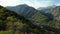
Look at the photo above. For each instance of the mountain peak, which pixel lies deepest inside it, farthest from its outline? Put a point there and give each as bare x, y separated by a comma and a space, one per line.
21, 5
53, 6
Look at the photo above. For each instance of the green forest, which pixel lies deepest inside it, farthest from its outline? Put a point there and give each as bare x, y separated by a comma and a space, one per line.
12, 23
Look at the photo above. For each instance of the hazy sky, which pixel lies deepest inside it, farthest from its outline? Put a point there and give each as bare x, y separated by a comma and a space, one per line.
33, 3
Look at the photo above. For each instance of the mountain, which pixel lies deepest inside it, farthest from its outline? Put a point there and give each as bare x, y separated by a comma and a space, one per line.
46, 11
28, 12
38, 23
23, 10
45, 16
13, 23
56, 13
52, 12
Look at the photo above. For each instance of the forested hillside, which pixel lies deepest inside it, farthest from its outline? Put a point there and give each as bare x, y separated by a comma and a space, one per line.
12, 23
29, 12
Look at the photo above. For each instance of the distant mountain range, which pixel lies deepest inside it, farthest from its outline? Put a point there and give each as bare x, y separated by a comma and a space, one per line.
52, 10
13, 20
27, 11
45, 15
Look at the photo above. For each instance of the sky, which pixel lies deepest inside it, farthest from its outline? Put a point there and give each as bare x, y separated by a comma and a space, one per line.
33, 3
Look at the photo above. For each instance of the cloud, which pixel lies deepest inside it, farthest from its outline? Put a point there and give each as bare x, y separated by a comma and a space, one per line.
8, 2
29, 3
58, 4
37, 3
33, 3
